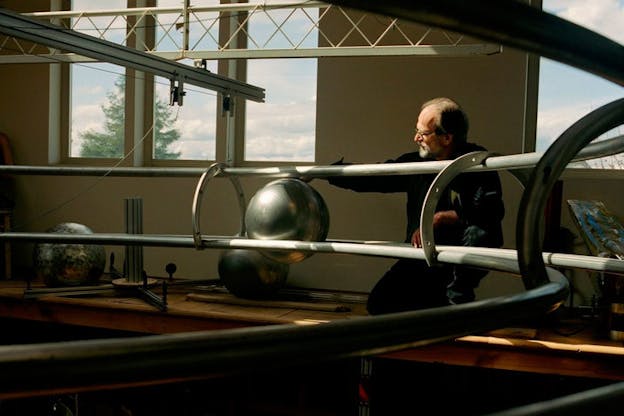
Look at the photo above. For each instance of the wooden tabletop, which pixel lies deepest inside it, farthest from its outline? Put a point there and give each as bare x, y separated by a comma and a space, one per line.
189, 308
549, 350
565, 350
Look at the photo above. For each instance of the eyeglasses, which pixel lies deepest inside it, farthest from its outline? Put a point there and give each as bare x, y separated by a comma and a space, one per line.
424, 134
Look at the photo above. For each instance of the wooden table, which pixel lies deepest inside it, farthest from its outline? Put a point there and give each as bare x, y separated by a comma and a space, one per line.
190, 308
539, 351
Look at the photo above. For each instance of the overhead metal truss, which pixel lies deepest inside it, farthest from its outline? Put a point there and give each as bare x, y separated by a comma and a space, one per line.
43, 33
290, 30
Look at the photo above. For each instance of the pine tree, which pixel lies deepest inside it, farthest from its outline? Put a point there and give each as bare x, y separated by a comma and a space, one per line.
165, 133
110, 144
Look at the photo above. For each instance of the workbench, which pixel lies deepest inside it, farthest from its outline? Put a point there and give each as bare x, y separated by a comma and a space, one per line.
193, 308
541, 351
189, 308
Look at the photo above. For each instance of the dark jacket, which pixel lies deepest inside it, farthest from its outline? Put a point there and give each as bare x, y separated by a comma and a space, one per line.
475, 196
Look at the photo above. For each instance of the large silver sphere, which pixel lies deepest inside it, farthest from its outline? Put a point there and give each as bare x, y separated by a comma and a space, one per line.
69, 264
249, 274
287, 209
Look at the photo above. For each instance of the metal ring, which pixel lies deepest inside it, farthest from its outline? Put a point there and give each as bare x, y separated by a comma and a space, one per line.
438, 185
546, 173
214, 170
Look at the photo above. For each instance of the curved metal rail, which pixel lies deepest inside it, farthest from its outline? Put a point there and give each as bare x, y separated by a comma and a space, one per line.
514, 24
433, 195
82, 364
543, 178
606, 400
42, 369
210, 173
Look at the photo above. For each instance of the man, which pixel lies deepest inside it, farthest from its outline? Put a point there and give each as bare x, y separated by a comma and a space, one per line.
469, 213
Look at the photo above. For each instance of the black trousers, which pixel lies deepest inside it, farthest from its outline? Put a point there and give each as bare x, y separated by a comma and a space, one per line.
408, 285
412, 284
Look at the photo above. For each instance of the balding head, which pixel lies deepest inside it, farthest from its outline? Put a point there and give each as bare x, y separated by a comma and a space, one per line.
449, 118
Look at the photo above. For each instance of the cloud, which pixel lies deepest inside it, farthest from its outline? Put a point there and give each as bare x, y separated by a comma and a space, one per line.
554, 121
92, 89
86, 117
602, 16
281, 131
284, 79
566, 94
276, 148
282, 128
194, 149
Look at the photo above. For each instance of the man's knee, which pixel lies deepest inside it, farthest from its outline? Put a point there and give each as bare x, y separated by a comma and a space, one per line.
474, 236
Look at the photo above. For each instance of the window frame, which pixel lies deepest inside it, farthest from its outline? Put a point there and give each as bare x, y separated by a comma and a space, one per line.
139, 111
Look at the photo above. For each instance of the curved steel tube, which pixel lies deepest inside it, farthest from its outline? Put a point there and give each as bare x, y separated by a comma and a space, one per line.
543, 178
433, 195
41, 369
605, 400
77, 365
210, 173
512, 23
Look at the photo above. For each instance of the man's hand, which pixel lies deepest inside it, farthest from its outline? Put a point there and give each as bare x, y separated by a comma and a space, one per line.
416, 240
439, 218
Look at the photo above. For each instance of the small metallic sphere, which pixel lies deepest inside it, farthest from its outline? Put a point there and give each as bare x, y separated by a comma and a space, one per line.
287, 209
249, 274
69, 264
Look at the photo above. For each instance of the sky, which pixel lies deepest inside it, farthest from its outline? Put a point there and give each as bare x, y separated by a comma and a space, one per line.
283, 127
566, 94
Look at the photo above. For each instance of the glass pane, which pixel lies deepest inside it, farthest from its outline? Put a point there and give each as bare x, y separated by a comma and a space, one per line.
186, 132
282, 128
97, 111
567, 94
98, 89
111, 28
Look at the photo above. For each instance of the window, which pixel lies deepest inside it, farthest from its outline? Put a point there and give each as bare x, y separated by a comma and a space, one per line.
97, 103
97, 111
119, 113
186, 132
567, 94
282, 129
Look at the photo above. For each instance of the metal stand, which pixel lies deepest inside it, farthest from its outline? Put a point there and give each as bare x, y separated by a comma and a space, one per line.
136, 280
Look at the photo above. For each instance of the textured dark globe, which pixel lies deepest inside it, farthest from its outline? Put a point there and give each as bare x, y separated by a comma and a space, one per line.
287, 209
249, 274
69, 264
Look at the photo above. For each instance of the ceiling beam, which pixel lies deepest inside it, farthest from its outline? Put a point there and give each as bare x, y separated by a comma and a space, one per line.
67, 40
